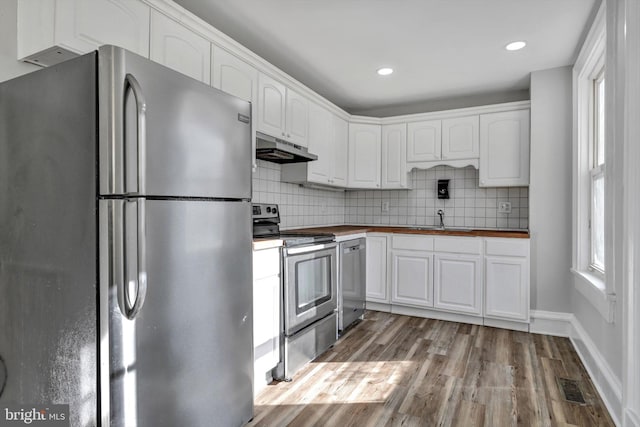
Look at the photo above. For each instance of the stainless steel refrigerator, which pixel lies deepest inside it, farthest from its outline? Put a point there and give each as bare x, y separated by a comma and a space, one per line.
125, 245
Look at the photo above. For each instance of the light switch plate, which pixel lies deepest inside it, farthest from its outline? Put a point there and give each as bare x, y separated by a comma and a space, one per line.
385, 206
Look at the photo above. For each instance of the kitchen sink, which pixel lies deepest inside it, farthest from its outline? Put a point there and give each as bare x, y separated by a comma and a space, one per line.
464, 230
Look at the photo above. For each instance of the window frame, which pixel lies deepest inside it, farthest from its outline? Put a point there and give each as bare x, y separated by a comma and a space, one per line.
590, 282
597, 169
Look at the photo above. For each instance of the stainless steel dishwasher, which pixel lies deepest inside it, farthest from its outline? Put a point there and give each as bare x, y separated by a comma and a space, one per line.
351, 286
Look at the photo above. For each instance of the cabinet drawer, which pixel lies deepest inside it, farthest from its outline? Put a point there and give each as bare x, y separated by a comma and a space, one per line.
461, 245
415, 243
266, 263
507, 247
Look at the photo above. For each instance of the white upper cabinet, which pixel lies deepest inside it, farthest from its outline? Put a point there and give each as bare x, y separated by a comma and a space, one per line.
424, 141
394, 156
364, 155
179, 48
460, 138
234, 76
321, 144
504, 149
282, 112
340, 151
53, 31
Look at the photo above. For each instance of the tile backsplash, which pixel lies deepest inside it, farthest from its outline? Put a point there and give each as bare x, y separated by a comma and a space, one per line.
468, 206
299, 206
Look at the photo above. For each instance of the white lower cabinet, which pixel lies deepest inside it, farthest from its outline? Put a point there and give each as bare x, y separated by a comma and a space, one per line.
458, 283
459, 277
377, 290
507, 279
266, 314
412, 278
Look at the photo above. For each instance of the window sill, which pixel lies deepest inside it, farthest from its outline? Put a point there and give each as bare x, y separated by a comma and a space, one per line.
594, 290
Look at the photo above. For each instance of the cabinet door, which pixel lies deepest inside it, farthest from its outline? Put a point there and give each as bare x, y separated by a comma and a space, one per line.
507, 288
458, 283
236, 77
340, 151
411, 278
504, 149
320, 144
377, 290
179, 48
394, 156
364, 155
83, 25
297, 118
271, 106
460, 138
424, 140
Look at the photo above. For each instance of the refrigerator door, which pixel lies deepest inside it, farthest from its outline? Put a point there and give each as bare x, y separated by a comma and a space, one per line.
48, 240
186, 356
165, 134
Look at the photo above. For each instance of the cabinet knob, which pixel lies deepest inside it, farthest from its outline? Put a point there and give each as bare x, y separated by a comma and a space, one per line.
288, 135
283, 134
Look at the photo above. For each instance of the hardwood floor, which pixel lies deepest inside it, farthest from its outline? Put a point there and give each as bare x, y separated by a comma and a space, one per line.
393, 370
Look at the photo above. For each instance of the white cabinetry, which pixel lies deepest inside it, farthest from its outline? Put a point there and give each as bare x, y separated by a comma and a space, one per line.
234, 76
424, 141
504, 149
53, 31
365, 142
179, 48
394, 156
266, 313
411, 259
282, 112
507, 279
458, 274
328, 136
460, 138
340, 151
377, 290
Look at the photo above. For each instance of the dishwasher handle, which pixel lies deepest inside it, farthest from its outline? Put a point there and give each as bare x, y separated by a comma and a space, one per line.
354, 248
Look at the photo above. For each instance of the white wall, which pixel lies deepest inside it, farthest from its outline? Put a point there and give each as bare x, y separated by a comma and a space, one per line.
550, 189
9, 67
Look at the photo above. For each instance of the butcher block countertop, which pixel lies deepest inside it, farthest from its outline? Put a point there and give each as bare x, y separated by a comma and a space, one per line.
343, 230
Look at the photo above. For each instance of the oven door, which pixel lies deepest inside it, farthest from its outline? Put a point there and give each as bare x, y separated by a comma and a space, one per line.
310, 280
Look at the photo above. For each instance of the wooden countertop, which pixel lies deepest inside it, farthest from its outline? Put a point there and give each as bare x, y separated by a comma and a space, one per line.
343, 230
266, 243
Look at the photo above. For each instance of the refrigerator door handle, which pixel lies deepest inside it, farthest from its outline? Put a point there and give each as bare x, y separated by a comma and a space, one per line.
130, 258
141, 143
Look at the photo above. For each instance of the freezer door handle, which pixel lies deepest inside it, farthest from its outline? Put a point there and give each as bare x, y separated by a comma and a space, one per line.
130, 257
141, 135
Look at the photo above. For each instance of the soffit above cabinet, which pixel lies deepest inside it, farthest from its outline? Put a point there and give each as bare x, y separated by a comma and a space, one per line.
438, 49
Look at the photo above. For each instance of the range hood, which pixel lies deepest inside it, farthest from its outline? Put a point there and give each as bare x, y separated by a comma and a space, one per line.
280, 151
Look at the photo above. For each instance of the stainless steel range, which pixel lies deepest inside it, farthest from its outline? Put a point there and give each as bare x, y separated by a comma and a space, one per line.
309, 289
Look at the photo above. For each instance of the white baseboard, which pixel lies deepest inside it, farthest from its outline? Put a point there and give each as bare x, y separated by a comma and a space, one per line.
551, 323
608, 385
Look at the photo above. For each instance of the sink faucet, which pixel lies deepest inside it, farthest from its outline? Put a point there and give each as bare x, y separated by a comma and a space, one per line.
441, 215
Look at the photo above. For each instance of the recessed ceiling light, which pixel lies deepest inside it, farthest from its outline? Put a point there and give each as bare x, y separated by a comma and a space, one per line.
515, 45
385, 71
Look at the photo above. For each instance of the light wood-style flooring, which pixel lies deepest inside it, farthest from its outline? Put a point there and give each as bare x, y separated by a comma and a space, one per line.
393, 370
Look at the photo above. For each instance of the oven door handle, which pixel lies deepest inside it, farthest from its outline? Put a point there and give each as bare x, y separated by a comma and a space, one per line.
311, 248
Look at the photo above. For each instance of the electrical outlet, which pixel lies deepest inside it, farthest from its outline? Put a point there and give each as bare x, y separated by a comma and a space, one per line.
385, 206
504, 207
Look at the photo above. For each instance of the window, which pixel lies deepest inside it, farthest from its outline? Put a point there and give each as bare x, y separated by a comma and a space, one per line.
596, 217
590, 224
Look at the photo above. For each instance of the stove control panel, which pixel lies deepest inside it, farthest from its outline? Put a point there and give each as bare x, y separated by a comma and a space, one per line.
266, 211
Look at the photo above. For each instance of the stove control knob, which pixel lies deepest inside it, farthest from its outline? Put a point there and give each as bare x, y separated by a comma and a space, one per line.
268, 209
274, 210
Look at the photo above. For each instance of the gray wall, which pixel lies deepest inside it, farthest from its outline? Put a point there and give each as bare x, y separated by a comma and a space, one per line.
550, 189
9, 67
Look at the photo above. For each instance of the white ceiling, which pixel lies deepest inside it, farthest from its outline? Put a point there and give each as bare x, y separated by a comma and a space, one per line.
438, 48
